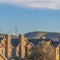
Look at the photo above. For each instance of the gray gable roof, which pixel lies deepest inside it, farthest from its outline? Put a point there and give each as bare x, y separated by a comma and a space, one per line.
36, 41
56, 43
1, 38
15, 42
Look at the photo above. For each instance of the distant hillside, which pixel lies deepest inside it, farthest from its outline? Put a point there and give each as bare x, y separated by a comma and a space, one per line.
38, 34
2, 34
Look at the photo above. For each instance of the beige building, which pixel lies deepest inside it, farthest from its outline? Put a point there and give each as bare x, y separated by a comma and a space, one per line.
5, 46
20, 46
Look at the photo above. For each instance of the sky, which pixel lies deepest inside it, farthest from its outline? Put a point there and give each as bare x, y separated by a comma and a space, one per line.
29, 16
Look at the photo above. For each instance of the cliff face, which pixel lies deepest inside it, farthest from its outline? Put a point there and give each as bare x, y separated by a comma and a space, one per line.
49, 35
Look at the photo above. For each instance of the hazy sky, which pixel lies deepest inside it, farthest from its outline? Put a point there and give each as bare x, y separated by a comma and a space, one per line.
29, 15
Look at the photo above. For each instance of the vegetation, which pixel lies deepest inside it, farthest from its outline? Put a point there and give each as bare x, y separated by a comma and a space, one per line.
44, 51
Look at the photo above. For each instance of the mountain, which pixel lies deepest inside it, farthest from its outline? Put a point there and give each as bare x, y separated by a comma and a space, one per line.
39, 34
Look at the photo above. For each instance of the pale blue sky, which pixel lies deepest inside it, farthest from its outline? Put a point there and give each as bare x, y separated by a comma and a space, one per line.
28, 19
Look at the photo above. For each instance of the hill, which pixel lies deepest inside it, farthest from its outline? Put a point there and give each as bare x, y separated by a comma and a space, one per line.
39, 34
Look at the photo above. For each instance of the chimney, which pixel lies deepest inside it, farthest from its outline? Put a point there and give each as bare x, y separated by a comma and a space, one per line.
8, 48
23, 43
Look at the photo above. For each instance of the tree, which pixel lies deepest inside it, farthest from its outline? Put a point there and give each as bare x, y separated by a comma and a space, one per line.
44, 51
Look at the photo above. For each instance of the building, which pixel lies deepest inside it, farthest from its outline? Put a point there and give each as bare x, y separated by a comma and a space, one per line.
56, 46
58, 52
21, 46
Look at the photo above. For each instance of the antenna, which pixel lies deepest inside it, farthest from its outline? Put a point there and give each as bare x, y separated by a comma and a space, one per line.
16, 30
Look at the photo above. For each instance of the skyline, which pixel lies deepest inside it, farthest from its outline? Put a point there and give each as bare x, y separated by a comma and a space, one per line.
28, 19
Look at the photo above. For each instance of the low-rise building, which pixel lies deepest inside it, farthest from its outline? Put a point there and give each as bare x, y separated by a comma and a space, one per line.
21, 46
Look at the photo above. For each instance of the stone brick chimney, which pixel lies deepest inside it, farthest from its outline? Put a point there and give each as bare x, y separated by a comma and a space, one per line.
8, 48
23, 43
